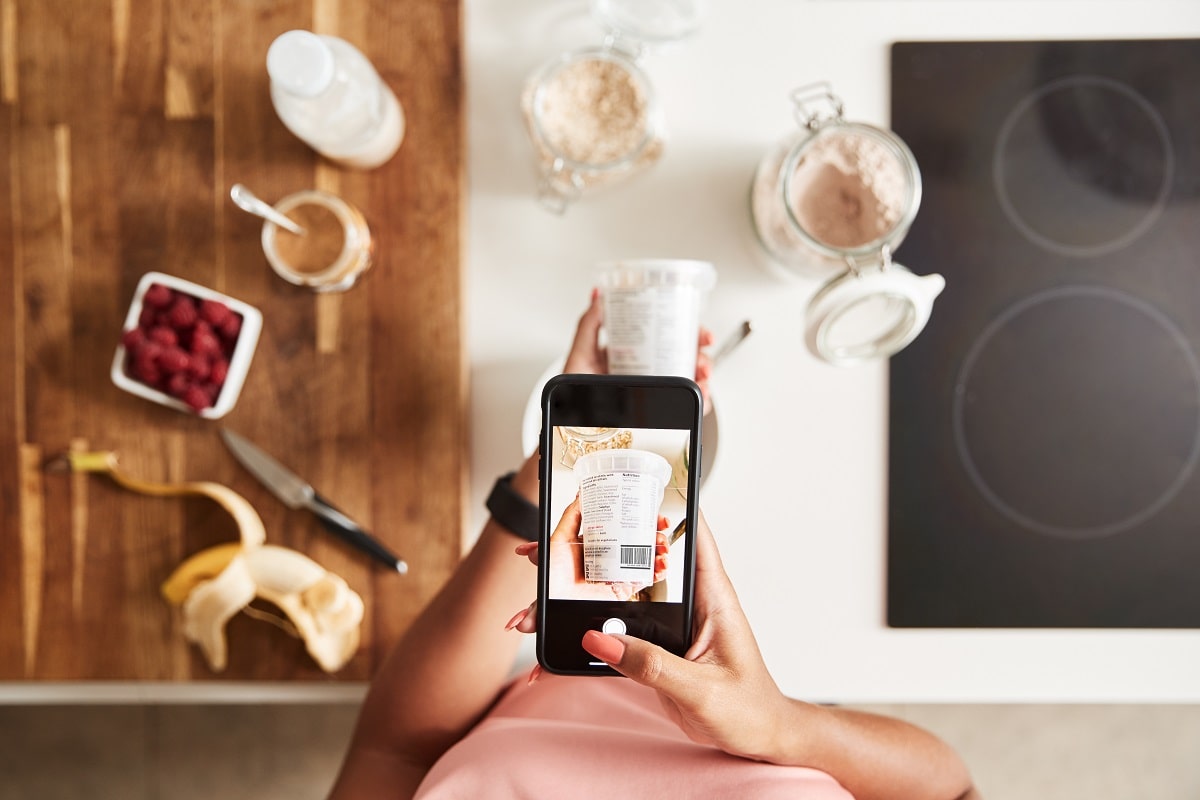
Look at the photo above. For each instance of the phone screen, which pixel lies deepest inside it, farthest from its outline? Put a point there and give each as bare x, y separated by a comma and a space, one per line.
619, 499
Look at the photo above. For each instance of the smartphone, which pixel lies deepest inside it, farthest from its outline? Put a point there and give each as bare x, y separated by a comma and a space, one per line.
621, 453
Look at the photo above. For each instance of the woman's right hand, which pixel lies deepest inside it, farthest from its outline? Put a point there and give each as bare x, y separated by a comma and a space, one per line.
720, 693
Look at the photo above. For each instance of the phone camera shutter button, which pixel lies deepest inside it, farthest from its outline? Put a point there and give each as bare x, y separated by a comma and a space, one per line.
613, 625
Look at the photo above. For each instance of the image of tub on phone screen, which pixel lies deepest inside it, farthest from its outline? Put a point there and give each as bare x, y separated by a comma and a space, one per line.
618, 503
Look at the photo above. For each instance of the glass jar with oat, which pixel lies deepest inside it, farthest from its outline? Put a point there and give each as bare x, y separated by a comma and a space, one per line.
579, 441
836, 199
591, 114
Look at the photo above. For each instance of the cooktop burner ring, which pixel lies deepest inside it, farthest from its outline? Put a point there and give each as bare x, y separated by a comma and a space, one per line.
1083, 165
1162, 342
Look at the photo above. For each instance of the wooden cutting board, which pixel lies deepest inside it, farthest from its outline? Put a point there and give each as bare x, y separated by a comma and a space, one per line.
123, 125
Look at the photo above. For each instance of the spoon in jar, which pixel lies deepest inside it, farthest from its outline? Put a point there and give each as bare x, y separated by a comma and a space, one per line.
248, 201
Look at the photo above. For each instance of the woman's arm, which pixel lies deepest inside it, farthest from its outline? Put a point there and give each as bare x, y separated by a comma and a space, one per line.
447, 669
873, 756
450, 666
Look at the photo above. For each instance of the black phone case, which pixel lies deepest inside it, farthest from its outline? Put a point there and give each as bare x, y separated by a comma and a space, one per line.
616, 401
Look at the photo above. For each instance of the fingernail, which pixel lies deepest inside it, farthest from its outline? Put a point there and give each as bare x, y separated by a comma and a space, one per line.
534, 674
516, 620
608, 649
524, 548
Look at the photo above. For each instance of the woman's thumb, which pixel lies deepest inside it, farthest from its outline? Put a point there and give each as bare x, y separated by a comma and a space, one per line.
639, 660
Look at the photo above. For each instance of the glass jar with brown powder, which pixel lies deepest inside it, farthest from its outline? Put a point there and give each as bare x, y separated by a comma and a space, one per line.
334, 250
835, 199
591, 114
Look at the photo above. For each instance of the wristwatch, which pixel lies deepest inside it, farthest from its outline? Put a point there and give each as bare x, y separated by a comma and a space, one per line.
509, 508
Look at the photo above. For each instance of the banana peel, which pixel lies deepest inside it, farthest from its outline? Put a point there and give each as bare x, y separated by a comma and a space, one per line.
203, 566
214, 585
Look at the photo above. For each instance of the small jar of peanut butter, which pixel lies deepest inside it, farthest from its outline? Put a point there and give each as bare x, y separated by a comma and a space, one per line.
334, 249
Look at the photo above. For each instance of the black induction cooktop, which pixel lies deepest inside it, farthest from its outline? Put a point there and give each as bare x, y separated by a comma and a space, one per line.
1044, 433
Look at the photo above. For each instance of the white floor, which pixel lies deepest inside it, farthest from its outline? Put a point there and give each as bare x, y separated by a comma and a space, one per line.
1022, 752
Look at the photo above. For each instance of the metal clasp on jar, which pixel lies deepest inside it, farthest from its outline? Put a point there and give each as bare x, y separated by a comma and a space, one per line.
881, 263
816, 104
617, 42
559, 187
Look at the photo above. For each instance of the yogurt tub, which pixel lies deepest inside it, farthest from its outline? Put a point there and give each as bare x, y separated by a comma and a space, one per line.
652, 314
620, 493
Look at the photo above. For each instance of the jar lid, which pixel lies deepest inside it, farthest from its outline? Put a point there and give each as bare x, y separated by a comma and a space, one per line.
650, 21
869, 314
645, 272
644, 462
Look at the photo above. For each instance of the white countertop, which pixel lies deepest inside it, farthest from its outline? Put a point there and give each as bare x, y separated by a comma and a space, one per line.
805, 439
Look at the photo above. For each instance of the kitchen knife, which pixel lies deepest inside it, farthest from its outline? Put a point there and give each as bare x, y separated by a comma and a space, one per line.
295, 492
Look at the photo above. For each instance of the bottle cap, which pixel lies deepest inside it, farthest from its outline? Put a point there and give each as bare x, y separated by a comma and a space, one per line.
300, 62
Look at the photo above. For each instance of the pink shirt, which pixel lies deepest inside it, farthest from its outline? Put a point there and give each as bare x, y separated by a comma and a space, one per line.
602, 737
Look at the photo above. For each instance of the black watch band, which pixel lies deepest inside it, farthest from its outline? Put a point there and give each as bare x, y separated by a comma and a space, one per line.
512, 510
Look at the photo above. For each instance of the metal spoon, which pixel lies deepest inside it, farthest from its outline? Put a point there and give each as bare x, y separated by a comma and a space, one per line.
732, 341
248, 201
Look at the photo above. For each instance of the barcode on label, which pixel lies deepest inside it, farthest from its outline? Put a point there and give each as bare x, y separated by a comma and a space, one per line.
636, 557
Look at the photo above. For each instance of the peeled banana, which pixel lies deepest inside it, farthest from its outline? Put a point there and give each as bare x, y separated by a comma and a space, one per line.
213, 585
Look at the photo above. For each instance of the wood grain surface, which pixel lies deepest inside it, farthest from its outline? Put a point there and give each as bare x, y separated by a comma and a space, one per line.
123, 125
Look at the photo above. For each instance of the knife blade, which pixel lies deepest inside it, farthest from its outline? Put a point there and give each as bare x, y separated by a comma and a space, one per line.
295, 492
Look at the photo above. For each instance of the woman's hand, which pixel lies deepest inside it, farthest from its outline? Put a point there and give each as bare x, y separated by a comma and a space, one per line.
588, 357
565, 562
721, 694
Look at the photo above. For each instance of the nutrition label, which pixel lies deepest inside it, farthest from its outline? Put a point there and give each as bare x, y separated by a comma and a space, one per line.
620, 521
650, 330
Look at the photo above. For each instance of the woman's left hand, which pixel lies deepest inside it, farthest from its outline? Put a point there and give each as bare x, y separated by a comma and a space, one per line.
565, 563
586, 356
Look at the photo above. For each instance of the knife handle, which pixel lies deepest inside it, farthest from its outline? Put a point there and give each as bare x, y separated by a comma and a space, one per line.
350, 531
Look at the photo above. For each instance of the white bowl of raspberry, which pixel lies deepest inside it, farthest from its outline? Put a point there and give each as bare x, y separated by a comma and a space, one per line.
185, 346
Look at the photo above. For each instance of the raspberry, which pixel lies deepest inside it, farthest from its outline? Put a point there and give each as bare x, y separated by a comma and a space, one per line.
196, 397
157, 296
231, 327
205, 344
173, 361
219, 372
147, 373
177, 384
182, 315
147, 355
133, 338
164, 336
214, 312
148, 318
198, 368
